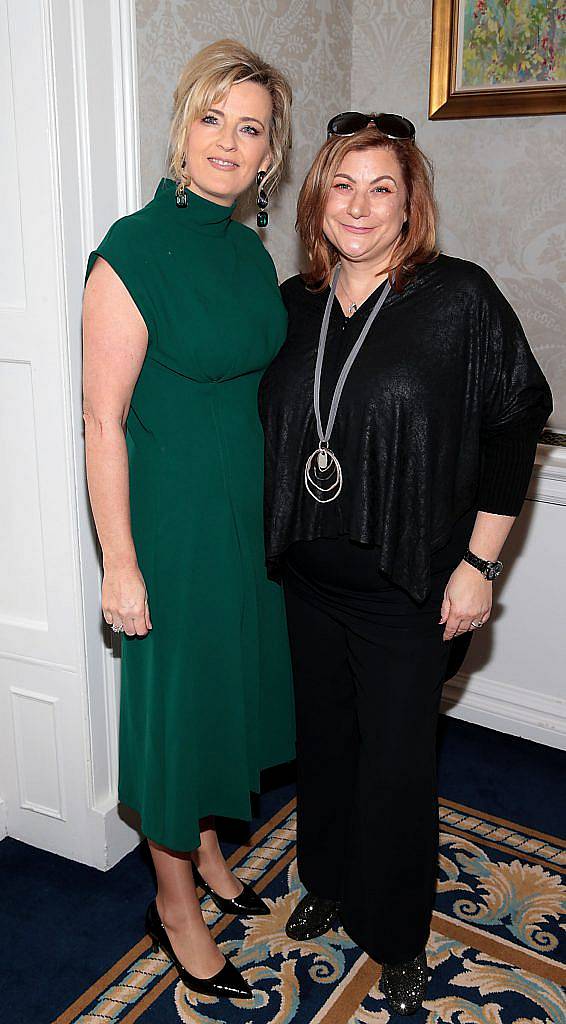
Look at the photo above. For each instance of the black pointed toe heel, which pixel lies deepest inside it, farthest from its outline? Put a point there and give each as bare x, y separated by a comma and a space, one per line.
227, 982
313, 916
404, 985
246, 904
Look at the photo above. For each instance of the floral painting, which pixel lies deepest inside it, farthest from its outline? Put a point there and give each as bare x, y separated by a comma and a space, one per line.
509, 43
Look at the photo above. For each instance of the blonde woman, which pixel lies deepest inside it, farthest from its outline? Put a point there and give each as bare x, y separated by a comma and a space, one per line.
182, 314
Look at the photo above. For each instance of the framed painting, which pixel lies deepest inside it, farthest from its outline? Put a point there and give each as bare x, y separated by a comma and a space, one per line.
493, 58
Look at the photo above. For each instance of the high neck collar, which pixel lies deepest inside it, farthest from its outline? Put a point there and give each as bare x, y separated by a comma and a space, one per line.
199, 214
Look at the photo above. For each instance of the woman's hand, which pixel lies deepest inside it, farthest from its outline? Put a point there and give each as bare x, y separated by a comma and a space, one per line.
124, 600
467, 598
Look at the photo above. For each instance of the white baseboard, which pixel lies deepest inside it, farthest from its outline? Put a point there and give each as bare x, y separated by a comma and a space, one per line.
121, 836
104, 838
506, 708
548, 480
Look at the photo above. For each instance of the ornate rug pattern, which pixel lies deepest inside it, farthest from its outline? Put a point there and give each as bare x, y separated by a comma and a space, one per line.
497, 942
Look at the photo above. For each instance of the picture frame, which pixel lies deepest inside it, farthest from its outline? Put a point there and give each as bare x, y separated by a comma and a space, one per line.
463, 53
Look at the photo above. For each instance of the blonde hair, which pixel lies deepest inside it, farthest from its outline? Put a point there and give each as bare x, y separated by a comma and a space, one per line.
417, 243
207, 77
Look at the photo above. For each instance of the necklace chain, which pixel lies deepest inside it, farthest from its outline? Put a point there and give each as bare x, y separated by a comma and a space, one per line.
323, 473
353, 306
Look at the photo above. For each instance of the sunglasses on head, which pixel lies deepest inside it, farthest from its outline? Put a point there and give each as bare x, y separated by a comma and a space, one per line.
392, 125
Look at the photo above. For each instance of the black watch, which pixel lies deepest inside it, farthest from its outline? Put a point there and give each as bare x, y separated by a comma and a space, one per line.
489, 570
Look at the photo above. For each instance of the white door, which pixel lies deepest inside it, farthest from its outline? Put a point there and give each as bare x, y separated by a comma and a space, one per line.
57, 687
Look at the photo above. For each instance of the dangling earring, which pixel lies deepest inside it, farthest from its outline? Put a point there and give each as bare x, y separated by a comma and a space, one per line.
180, 194
262, 201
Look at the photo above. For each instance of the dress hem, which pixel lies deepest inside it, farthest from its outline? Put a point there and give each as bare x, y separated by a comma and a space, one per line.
184, 847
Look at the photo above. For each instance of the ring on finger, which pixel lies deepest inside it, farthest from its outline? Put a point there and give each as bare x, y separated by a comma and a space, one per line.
476, 625
117, 628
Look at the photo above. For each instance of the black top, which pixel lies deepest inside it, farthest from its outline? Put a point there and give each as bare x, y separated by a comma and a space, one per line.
440, 413
339, 566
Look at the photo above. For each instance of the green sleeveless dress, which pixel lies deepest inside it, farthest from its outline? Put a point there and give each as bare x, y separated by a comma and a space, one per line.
206, 696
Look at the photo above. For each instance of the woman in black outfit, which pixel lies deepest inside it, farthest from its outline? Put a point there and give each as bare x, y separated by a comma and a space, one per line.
387, 504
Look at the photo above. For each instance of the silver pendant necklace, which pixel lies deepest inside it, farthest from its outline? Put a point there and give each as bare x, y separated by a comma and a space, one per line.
353, 306
323, 472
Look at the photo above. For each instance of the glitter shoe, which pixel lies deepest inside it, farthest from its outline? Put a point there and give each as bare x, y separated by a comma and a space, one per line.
404, 985
312, 916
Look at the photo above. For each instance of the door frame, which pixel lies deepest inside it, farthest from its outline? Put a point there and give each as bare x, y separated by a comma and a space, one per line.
95, 108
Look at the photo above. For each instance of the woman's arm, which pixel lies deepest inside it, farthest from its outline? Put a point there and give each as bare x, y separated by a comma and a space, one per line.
489, 535
115, 343
516, 404
468, 596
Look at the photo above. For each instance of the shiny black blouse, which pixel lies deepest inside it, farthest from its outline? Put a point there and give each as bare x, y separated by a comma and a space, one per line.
441, 412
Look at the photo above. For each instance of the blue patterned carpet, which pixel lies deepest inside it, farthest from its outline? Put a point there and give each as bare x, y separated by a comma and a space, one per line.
497, 942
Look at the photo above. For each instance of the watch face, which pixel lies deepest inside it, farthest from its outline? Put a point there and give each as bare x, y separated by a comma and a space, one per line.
493, 570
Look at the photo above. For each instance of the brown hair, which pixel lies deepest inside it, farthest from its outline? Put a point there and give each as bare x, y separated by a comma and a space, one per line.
416, 244
207, 77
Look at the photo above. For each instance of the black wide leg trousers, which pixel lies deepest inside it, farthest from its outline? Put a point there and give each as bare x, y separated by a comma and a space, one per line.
368, 679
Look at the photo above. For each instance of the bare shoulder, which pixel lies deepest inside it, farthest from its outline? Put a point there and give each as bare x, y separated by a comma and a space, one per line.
108, 305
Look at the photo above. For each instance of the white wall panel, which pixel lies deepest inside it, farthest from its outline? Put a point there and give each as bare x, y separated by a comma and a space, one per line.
43, 758
23, 598
38, 754
12, 278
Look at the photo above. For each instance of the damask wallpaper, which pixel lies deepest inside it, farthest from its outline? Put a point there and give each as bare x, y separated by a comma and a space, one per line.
500, 182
